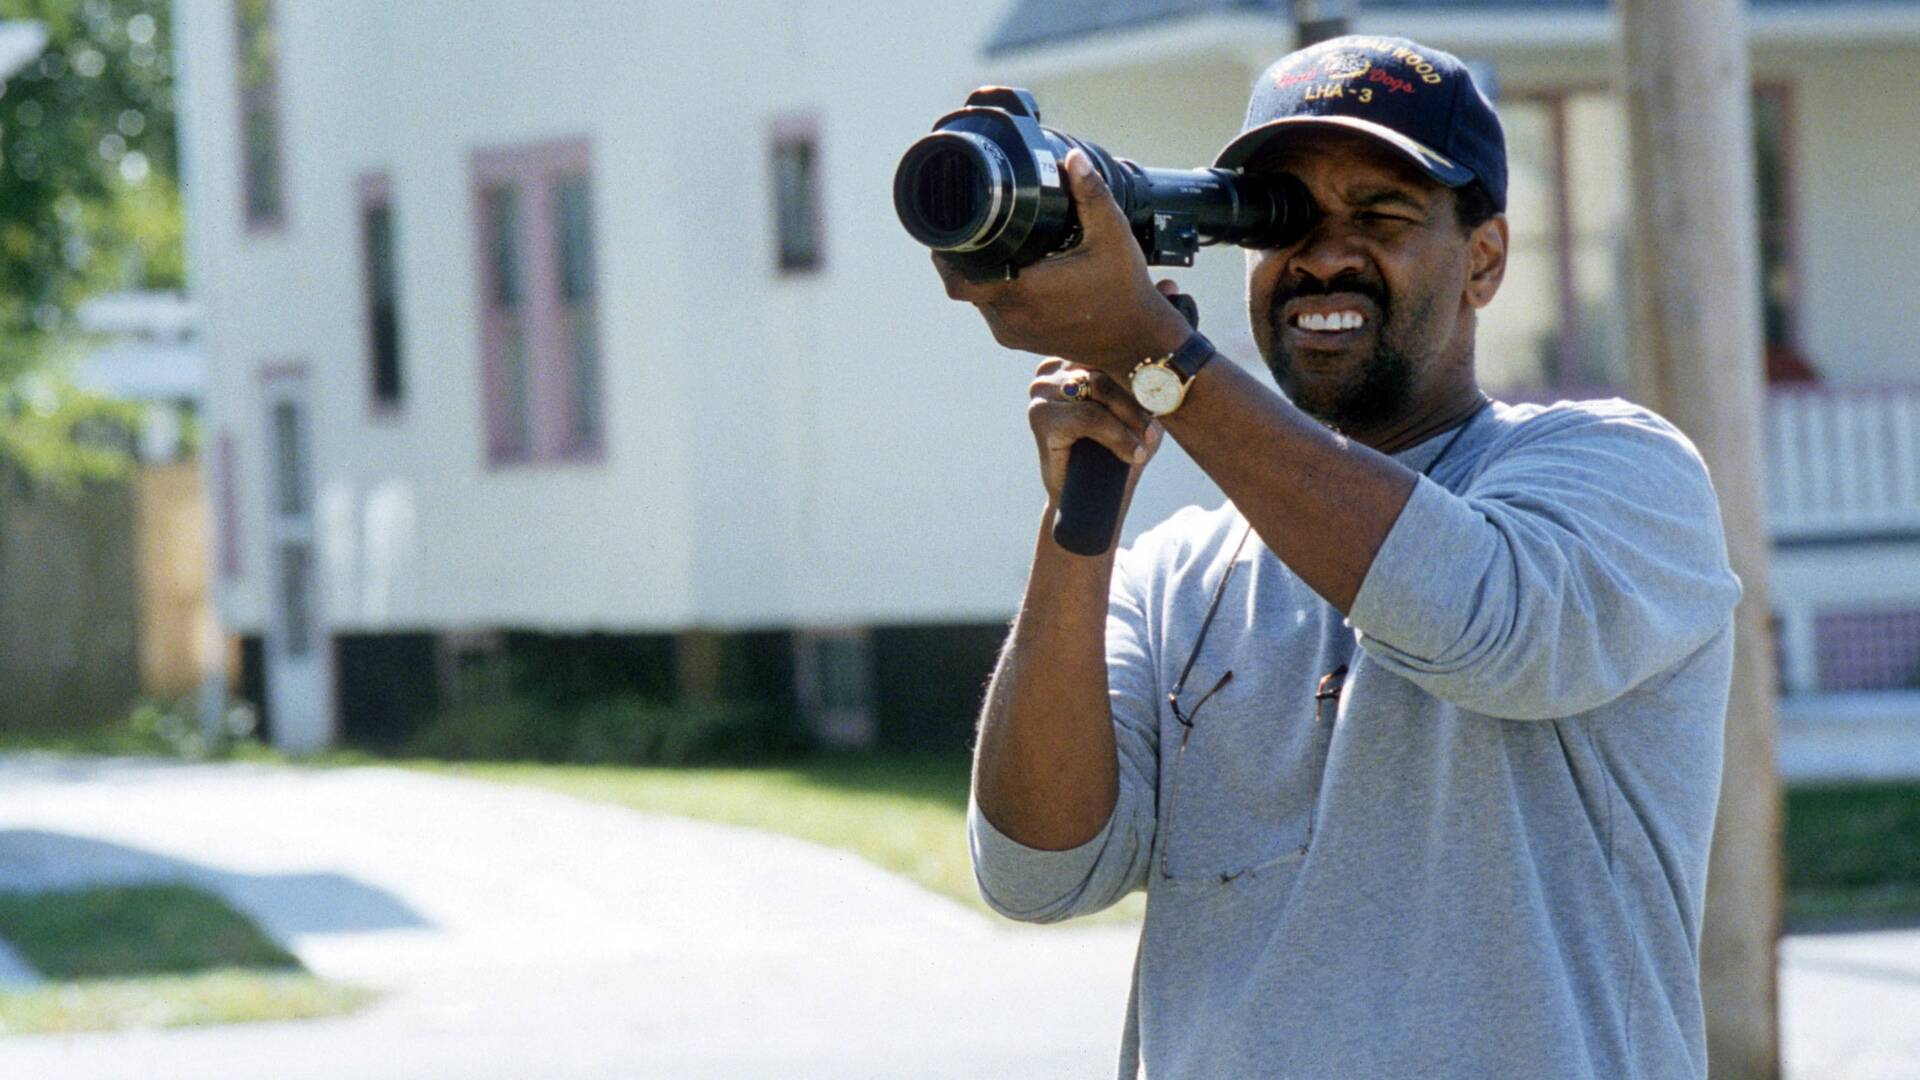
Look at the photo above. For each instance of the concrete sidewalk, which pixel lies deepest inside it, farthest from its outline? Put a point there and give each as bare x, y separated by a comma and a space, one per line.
1850, 1005
523, 934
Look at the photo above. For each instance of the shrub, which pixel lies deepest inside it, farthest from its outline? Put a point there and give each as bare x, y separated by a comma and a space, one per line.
623, 729
171, 727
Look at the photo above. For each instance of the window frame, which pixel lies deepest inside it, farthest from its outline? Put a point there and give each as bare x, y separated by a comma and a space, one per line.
784, 132
837, 658
376, 192
535, 174
1780, 92
249, 101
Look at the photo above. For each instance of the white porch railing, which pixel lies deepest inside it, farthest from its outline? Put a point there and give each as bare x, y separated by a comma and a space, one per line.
1843, 462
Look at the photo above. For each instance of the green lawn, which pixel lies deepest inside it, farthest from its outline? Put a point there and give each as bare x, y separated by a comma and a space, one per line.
134, 930
904, 813
1853, 854
151, 955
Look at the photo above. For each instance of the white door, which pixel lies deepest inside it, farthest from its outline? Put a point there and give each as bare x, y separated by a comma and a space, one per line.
299, 650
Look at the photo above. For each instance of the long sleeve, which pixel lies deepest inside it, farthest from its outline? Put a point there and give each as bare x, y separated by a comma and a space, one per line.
1578, 563
1032, 885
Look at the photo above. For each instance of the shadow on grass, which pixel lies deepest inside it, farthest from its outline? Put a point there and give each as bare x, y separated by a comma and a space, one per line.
114, 931
34, 861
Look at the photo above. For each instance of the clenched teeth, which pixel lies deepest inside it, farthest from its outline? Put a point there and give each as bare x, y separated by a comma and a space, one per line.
1338, 320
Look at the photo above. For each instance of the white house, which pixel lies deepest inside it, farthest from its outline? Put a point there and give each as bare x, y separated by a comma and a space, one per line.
588, 327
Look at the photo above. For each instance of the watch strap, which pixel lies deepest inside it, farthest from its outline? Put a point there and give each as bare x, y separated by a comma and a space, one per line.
1192, 355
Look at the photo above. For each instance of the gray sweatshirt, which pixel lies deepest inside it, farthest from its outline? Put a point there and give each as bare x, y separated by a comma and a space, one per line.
1482, 851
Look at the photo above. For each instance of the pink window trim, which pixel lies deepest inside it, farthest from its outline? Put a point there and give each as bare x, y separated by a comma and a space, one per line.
533, 172
258, 223
228, 479
375, 189
277, 370
798, 128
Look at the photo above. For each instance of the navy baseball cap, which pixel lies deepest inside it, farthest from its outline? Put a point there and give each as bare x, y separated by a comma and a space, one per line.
1421, 101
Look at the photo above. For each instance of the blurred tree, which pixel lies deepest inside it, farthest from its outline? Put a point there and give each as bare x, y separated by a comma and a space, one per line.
89, 203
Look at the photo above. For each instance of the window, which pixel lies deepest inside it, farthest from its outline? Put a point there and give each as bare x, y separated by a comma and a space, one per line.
1779, 289
296, 599
258, 70
511, 396
289, 460
290, 548
573, 218
539, 303
1867, 650
1559, 324
796, 196
382, 289
833, 675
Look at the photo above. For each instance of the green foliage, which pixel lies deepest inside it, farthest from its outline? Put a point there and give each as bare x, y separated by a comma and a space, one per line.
617, 729
63, 435
134, 930
1852, 854
1853, 836
89, 203
155, 727
171, 728
88, 192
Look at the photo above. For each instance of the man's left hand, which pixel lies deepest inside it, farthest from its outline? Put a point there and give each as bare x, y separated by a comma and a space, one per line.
1094, 304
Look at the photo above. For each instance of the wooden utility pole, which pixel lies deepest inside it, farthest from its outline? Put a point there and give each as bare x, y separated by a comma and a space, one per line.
1697, 343
1315, 21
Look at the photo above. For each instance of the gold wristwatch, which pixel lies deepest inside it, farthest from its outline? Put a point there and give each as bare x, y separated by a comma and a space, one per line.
1160, 383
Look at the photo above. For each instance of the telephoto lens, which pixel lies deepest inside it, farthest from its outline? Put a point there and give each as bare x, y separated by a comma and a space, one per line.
988, 190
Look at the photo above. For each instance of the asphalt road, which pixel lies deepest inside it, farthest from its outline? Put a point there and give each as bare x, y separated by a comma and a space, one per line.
522, 934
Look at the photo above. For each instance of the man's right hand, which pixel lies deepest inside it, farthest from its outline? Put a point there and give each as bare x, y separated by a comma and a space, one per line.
1099, 409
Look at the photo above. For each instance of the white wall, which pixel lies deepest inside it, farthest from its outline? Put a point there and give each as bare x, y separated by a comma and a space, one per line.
844, 447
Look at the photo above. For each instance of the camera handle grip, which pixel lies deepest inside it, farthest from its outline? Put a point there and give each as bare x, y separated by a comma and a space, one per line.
1089, 512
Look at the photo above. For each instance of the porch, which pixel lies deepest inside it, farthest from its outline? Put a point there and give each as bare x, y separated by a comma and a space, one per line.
1843, 490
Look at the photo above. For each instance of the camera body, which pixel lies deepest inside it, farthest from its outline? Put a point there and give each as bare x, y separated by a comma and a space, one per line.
988, 190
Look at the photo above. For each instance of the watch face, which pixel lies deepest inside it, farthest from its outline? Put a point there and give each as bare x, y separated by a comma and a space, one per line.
1157, 389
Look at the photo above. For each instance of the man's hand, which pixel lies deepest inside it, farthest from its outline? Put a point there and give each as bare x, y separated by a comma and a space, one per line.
1099, 409
1095, 303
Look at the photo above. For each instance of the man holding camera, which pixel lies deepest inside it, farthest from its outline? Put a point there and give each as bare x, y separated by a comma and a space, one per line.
1415, 744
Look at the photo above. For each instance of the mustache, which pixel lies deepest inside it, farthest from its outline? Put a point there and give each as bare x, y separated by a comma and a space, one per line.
1287, 292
